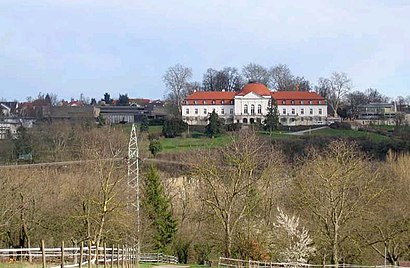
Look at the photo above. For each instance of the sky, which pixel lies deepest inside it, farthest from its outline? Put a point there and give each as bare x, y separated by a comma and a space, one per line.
89, 47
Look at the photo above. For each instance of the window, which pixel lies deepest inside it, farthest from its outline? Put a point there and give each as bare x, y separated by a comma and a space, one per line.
302, 111
222, 102
311, 111
205, 112
222, 111
213, 101
320, 102
269, 103
245, 109
292, 102
231, 102
195, 102
310, 102
293, 110
213, 110
320, 110
204, 101
283, 102
284, 111
302, 102
231, 111
187, 111
196, 110
252, 109
259, 109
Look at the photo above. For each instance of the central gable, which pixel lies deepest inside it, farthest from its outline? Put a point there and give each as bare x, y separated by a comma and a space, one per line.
252, 95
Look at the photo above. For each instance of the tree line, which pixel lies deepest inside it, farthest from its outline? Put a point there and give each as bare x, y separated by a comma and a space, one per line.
332, 204
337, 88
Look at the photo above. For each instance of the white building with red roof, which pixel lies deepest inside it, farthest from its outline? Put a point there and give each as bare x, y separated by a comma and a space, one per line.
250, 105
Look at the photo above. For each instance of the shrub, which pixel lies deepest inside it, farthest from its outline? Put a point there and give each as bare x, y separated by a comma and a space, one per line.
174, 127
155, 147
340, 125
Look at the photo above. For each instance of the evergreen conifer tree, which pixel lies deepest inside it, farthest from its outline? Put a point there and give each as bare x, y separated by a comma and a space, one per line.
157, 206
271, 121
144, 124
214, 126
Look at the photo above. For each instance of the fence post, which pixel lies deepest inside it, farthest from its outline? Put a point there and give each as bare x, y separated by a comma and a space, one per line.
80, 265
112, 257
105, 255
122, 257
97, 253
43, 254
118, 255
89, 254
62, 254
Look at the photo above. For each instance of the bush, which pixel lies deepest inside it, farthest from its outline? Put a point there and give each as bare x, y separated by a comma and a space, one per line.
340, 125
154, 136
174, 127
233, 127
155, 147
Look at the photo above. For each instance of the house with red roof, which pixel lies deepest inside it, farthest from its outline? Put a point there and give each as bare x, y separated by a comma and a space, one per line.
250, 106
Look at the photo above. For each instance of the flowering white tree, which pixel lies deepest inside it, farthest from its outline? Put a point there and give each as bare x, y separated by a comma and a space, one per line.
296, 244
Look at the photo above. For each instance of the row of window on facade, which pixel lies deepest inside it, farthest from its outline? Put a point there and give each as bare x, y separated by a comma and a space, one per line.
302, 111
205, 111
284, 111
302, 102
212, 102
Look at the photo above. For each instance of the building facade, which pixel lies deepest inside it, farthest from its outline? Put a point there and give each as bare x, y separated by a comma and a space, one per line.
250, 105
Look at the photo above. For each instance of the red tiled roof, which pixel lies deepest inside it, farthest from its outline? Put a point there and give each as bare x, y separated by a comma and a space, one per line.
296, 95
211, 95
298, 98
257, 88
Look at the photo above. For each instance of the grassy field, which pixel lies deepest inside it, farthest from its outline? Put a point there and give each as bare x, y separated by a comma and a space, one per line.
329, 132
197, 140
181, 144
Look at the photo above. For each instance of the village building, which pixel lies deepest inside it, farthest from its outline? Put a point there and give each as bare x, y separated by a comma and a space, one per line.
250, 106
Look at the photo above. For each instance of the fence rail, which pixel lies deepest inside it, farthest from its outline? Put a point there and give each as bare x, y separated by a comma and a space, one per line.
237, 263
83, 256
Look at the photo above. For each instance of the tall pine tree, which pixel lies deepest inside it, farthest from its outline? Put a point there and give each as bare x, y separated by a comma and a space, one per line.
271, 121
214, 127
157, 207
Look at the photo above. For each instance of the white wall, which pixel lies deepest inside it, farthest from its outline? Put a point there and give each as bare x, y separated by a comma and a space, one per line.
298, 110
250, 99
201, 117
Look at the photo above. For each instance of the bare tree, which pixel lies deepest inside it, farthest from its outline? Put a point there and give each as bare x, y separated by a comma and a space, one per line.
176, 79
256, 73
281, 78
228, 179
334, 189
334, 89
227, 79
209, 80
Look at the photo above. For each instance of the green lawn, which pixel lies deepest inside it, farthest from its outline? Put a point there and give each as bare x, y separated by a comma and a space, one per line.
181, 144
330, 132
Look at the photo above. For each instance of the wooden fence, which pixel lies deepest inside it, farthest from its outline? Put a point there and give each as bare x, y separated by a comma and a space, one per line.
236, 263
84, 256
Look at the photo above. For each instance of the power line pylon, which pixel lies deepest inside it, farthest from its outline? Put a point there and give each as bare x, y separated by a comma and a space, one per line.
133, 181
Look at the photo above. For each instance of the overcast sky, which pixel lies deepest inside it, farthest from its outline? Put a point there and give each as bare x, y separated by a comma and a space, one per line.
70, 47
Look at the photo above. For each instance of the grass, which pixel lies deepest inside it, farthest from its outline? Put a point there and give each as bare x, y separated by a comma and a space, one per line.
181, 144
18, 264
329, 132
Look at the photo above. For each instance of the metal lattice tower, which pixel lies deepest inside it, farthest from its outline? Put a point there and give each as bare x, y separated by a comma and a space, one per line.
133, 181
